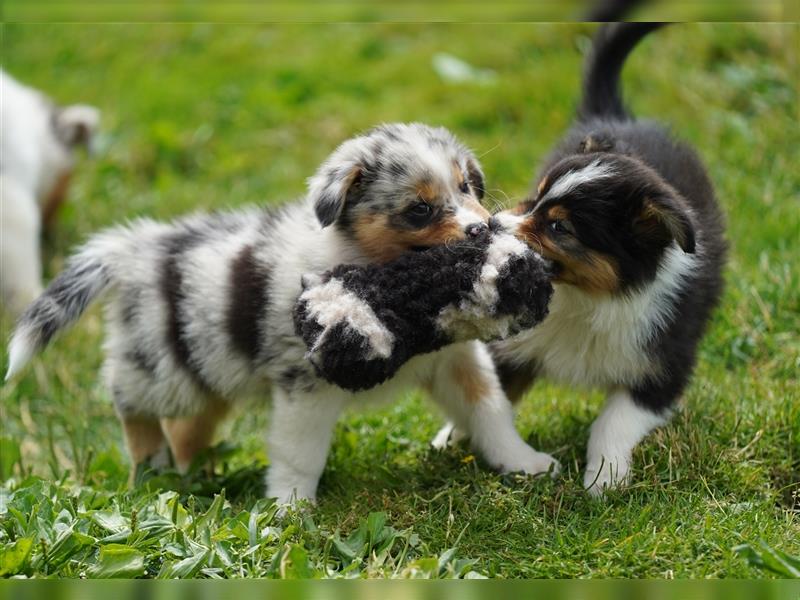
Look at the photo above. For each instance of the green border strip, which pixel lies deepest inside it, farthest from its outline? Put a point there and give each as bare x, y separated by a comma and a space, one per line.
288, 11
407, 590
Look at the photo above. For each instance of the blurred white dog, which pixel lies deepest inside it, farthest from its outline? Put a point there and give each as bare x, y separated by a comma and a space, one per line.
37, 143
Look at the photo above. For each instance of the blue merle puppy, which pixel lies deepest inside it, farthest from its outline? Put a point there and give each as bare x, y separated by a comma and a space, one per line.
199, 311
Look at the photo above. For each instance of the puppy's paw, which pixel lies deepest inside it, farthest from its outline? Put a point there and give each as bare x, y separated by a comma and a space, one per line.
602, 475
448, 436
288, 500
531, 462
161, 459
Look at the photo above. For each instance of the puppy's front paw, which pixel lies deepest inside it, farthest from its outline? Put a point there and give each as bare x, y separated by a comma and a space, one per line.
531, 462
288, 499
288, 487
604, 474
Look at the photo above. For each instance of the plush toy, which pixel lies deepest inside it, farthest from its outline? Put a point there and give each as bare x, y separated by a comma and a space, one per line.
362, 323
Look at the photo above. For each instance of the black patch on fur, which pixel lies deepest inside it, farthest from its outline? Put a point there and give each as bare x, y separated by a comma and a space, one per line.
288, 378
407, 295
172, 289
385, 130
516, 379
475, 177
142, 360
327, 208
129, 304
398, 169
249, 294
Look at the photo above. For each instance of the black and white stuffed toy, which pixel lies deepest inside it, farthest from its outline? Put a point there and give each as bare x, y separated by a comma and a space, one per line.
362, 323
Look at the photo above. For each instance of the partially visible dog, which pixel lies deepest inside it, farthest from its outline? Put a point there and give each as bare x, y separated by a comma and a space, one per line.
629, 218
200, 311
37, 149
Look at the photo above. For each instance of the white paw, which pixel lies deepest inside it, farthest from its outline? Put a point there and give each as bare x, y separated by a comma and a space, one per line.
530, 462
290, 490
448, 436
287, 499
602, 475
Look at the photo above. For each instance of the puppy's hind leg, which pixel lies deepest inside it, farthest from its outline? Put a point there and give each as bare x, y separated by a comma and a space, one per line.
188, 436
466, 386
146, 443
143, 435
300, 431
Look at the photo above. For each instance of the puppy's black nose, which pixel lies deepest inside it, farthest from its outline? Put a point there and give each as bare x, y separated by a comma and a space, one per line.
476, 229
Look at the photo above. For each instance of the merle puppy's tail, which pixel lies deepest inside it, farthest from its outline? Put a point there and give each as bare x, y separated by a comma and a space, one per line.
602, 97
608, 11
87, 275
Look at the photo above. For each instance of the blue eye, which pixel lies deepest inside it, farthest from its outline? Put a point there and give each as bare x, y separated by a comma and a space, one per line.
464, 187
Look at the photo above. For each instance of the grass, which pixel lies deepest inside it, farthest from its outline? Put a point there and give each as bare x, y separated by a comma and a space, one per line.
199, 117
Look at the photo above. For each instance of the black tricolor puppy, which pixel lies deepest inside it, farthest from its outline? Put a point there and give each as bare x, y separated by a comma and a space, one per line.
362, 323
628, 216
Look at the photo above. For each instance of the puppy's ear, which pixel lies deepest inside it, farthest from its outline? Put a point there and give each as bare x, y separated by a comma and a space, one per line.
475, 176
328, 189
76, 124
664, 217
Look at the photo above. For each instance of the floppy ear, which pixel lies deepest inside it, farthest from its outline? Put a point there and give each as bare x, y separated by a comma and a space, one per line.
76, 124
329, 187
475, 176
664, 217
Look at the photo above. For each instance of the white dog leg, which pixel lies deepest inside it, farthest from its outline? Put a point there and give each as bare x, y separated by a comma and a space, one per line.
299, 437
615, 433
469, 391
20, 262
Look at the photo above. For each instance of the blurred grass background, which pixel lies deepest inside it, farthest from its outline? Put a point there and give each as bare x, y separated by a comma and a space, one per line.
199, 116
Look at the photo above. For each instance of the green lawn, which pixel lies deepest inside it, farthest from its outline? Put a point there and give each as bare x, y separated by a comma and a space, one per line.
201, 117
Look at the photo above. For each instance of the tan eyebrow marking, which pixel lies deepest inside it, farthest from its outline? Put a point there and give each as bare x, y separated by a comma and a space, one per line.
542, 185
458, 173
557, 213
428, 191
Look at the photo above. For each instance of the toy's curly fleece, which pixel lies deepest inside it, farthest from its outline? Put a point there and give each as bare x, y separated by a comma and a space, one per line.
362, 323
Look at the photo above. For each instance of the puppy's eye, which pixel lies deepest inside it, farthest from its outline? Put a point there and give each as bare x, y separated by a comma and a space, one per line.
420, 209
419, 214
464, 187
561, 227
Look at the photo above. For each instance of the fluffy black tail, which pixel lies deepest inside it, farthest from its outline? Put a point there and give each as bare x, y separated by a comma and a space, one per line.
601, 89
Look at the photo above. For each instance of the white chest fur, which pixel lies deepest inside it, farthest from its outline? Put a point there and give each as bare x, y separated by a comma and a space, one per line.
602, 341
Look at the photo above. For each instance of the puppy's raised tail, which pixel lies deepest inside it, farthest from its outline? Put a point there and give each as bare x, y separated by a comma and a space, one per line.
602, 96
86, 276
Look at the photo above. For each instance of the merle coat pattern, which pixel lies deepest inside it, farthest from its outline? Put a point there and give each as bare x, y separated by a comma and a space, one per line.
199, 311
